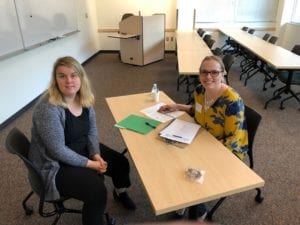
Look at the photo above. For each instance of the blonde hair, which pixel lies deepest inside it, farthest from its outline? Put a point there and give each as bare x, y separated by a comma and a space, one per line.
218, 60
215, 58
85, 95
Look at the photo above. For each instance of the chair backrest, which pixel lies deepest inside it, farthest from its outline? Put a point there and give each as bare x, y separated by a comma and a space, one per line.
273, 39
126, 15
228, 60
296, 49
210, 43
253, 120
17, 143
245, 28
251, 31
199, 30
201, 34
266, 36
206, 37
217, 51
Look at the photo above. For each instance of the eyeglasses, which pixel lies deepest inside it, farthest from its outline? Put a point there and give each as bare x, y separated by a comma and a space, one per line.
213, 73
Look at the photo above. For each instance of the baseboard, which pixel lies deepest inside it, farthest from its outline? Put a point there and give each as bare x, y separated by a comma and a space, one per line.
18, 113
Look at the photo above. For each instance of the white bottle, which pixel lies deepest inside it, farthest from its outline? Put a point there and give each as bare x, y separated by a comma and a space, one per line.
155, 93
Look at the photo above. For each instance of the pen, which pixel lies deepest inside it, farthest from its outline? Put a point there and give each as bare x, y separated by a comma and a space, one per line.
150, 125
177, 136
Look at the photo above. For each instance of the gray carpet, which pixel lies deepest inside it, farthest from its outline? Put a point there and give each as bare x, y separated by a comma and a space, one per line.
276, 150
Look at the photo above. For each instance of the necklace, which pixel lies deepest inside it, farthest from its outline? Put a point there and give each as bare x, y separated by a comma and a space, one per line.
208, 102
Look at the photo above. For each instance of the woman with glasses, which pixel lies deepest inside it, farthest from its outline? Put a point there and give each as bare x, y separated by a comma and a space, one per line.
219, 109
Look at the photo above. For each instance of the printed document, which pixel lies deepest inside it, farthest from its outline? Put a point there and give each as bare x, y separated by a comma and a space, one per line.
162, 117
180, 131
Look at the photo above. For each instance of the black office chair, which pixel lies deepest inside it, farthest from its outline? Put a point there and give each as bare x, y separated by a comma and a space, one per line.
18, 144
199, 30
217, 51
231, 46
245, 28
266, 36
206, 38
253, 120
260, 65
271, 73
249, 59
228, 61
283, 76
251, 31
210, 42
273, 39
202, 33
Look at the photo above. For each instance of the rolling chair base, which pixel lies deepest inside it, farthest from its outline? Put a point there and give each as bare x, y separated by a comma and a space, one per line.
59, 209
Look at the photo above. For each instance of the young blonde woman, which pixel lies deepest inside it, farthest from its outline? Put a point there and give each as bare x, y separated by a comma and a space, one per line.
65, 145
219, 109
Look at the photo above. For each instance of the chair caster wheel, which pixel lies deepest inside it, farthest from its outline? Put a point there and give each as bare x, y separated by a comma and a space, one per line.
259, 199
28, 211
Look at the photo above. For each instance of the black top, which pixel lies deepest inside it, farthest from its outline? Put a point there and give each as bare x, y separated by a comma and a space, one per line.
76, 131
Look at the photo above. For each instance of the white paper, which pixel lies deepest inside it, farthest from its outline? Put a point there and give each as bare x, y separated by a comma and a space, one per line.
180, 131
162, 117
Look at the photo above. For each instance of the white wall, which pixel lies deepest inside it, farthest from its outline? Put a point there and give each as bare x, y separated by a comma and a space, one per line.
288, 34
25, 76
185, 15
110, 13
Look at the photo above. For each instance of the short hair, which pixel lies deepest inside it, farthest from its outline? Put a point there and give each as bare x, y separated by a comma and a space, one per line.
215, 58
86, 97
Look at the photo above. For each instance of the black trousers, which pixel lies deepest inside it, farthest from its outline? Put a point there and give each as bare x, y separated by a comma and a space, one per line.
88, 186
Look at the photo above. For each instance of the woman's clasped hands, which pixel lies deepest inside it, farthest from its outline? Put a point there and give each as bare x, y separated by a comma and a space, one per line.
98, 164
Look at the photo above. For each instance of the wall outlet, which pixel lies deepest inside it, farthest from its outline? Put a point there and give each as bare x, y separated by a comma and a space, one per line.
172, 38
167, 38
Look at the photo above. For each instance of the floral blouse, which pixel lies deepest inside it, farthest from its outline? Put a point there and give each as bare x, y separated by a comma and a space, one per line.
225, 119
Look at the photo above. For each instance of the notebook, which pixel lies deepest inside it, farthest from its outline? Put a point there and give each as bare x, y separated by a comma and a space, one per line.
180, 131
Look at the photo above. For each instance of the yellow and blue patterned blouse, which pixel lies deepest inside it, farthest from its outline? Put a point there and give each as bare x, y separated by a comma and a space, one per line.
224, 119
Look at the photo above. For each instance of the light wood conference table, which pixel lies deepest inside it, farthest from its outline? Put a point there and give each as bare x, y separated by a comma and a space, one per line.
189, 61
161, 166
191, 50
280, 58
189, 40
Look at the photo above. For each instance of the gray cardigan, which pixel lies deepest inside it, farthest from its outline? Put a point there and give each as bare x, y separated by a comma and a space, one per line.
48, 147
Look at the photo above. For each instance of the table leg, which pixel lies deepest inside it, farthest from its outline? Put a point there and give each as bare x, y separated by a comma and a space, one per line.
286, 89
216, 206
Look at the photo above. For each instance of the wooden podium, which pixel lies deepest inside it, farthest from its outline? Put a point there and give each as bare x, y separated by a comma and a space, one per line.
142, 39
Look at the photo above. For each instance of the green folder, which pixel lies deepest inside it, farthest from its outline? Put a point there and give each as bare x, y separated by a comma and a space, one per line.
138, 124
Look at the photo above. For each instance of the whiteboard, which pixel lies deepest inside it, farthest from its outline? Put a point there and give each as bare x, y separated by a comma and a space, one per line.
10, 36
29, 23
